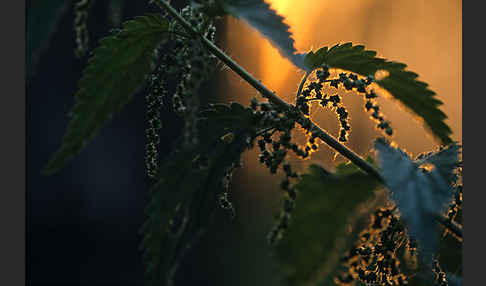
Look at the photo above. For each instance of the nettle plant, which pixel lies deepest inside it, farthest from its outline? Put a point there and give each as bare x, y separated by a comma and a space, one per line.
400, 208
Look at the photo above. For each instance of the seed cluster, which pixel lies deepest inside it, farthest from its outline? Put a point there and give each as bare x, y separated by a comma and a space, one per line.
194, 65
313, 92
225, 200
154, 99
274, 142
456, 204
188, 64
373, 259
440, 276
81, 9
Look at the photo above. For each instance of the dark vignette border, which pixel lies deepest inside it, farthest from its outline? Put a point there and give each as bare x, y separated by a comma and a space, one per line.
473, 109
12, 151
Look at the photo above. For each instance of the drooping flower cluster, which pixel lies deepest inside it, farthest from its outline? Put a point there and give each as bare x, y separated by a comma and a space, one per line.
456, 204
154, 99
194, 66
188, 65
275, 142
373, 259
225, 200
81, 9
440, 276
313, 92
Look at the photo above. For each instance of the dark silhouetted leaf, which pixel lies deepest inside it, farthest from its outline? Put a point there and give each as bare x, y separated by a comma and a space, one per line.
234, 116
403, 85
118, 67
324, 206
194, 188
421, 189
267, 21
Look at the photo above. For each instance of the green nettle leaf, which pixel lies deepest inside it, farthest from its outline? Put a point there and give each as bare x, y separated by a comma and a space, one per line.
232, 117
118, 67
402, 84
421, 189
324, 206
269, 23
186, 182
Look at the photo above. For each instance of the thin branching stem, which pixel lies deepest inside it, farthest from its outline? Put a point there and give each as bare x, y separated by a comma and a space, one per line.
302, 82
272, 97
265, 131
452, 226
185, 36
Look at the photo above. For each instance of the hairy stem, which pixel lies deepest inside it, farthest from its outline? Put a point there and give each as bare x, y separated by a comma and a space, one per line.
272, 97
302, 82
452, 226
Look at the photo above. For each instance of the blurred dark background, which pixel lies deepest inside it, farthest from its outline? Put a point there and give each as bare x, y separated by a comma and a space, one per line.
82, 224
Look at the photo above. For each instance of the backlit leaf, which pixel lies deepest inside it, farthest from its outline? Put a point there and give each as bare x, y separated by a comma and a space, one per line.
400, 83
259, 15
324, 205
421, 189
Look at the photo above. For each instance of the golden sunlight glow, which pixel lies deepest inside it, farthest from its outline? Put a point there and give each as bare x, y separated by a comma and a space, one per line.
274, 68
304, 18
426, 35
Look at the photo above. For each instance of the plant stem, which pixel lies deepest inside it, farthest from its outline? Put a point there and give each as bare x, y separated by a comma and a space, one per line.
302, 82
265, 131
450, 225
272, 97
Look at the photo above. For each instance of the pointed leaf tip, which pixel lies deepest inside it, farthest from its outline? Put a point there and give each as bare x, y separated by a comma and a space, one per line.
400, 83
117, 68
270, 24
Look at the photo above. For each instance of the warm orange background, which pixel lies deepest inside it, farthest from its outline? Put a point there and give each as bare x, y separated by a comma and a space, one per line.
426, 35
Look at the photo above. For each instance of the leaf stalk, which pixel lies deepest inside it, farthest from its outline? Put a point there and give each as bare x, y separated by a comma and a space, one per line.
302, 82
